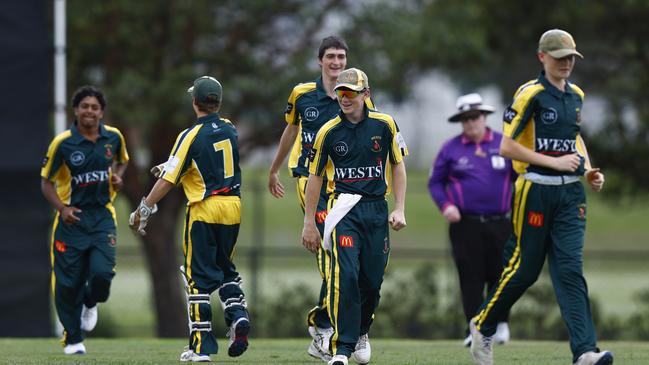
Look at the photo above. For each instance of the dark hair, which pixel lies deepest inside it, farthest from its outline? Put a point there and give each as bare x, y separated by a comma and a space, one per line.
86, 91
331, 42
211, 105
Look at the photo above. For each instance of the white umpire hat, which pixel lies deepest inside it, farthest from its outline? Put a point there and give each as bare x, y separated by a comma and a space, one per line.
468, 103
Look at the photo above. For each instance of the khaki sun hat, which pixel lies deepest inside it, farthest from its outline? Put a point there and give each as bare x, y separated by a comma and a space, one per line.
558, 44
353, 79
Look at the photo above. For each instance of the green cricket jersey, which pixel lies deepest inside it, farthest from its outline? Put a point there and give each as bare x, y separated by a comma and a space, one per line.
79, 167
545, 120
355, 156
205, 159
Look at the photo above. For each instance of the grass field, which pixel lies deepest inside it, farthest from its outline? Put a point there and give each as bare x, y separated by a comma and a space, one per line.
293, 351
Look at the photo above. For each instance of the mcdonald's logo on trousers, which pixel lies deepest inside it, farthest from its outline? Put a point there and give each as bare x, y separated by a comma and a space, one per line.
346, 241
535, 219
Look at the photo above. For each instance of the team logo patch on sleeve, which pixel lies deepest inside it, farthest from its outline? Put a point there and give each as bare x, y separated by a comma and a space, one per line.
45, 159
401, 142
171, 164
509, 114
288, 109
311, 154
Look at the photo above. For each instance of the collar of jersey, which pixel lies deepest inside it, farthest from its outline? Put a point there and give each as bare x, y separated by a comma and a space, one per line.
212, 117
349, 124
77, 138
553, 89
320, 91
488, 137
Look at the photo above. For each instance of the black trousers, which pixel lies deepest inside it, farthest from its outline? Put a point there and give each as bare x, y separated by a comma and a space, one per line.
477, 247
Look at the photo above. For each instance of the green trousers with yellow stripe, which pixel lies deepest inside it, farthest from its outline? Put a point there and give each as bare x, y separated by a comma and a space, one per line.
360, 253
83, 265
318, 316
549, 221
210, 236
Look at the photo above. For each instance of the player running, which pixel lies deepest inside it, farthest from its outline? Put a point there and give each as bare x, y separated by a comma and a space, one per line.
81, 175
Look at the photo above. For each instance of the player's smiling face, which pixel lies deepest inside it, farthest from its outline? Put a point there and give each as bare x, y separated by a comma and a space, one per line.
333, 62
89, 112
352, 103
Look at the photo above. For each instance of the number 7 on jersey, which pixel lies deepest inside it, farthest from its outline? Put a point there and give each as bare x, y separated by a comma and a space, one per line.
228, 160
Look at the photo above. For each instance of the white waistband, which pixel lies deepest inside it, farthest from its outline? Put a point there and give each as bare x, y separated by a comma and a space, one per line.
550, 180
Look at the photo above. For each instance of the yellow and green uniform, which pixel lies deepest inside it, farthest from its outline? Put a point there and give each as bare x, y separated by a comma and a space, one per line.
548, 212
356, 159
309, 107
205, 161
83, 253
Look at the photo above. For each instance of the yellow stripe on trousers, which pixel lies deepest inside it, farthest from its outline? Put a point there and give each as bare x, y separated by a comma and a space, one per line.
54, 225
520, 200
333, 283
53, 274
301, 190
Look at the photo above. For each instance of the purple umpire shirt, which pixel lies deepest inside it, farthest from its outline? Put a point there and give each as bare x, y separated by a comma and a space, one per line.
472, 176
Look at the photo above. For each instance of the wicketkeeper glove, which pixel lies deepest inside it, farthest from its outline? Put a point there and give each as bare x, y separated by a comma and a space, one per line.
157, 169
139, 218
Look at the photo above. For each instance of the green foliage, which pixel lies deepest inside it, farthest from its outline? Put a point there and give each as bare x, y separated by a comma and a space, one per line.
638, 323
285, 314
493, 42
411, 306
146, 54
414, 306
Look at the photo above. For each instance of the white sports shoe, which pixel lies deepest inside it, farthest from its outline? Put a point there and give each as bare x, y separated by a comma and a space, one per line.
319, 347
338, 360
88, 318
481, 346
238, 335
595, 358
190, 356
501, 336
363, 350
75, 349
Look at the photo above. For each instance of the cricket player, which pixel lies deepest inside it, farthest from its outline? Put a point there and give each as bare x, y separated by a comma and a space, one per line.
542, 137
310, 105
361, 151
205, 161
80, 177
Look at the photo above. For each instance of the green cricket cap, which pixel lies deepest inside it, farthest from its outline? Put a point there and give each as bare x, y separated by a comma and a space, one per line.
558, 44
206, 89
353, 79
